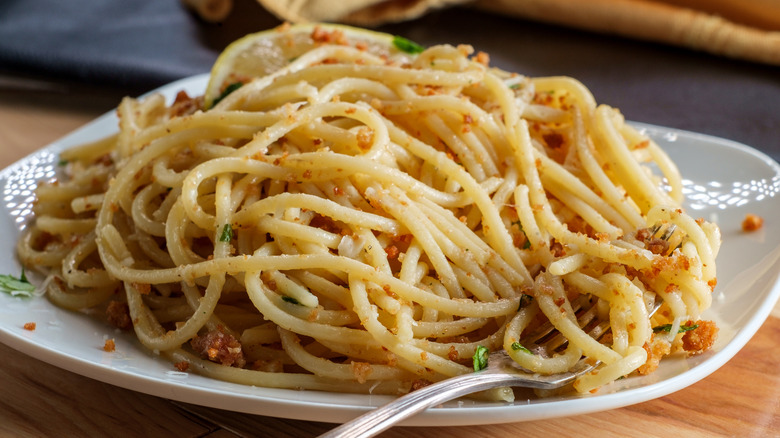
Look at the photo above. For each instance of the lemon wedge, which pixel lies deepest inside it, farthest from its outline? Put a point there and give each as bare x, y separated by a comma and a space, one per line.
262, 53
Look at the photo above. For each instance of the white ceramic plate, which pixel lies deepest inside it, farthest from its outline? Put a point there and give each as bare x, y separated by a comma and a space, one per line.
724, 181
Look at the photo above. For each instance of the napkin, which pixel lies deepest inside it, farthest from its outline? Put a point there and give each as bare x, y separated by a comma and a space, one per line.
102, 41
748, 30
133, 45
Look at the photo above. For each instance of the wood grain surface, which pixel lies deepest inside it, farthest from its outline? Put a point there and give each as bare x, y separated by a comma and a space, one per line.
742, 399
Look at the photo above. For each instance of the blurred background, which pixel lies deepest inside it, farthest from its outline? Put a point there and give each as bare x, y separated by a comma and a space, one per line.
91, 53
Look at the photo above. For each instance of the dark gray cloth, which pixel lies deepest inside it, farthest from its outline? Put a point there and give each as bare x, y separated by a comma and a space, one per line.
136, 44
140, 44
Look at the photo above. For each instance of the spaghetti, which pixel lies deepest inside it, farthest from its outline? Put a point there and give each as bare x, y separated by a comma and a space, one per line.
363, 223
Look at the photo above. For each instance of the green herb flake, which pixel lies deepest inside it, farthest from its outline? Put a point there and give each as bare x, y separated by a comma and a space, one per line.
229, 89
668, 327
290, 300
62, 163
480, 358
527, 243
406, 45
517, 347
514, 86
524, 301
17, 287
227, 233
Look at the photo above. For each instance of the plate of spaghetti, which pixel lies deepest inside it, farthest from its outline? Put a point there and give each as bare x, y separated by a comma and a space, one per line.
334, 217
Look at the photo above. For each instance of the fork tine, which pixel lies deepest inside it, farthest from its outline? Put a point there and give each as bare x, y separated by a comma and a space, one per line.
587, 316
536, 337
502, 370
585, 310
549, 340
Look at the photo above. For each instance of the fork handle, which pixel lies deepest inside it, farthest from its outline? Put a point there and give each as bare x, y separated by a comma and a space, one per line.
382, 418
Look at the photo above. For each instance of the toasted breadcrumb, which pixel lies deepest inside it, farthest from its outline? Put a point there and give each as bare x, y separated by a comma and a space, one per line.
29, 326
361, 370
701, 338
219, 347
118, 314
185, 105
365, 138
482, 58
419, 383
656, 349
752, 222
109, 346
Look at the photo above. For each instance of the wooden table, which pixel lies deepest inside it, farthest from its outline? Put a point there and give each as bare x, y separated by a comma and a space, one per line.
37, 399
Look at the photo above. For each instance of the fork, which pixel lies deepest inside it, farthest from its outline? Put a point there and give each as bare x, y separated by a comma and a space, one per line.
501, 371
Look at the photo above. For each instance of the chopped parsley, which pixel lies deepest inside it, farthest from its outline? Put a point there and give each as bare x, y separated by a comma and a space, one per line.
406, 45
16, 286
524, 301
227, 233
514, 86
527, 243
229, 89
290, 300
668, 327
480, 358
517, 347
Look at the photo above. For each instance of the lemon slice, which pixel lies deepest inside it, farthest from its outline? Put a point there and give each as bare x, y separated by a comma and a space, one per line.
263, 53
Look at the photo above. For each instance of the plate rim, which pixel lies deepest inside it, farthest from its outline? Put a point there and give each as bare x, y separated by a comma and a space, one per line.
265, 405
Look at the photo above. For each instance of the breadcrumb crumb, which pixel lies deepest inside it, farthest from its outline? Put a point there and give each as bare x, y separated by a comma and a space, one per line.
752, 222
656, 350
701, 338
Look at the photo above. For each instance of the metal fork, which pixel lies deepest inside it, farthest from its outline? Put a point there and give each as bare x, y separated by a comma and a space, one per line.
501, 371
